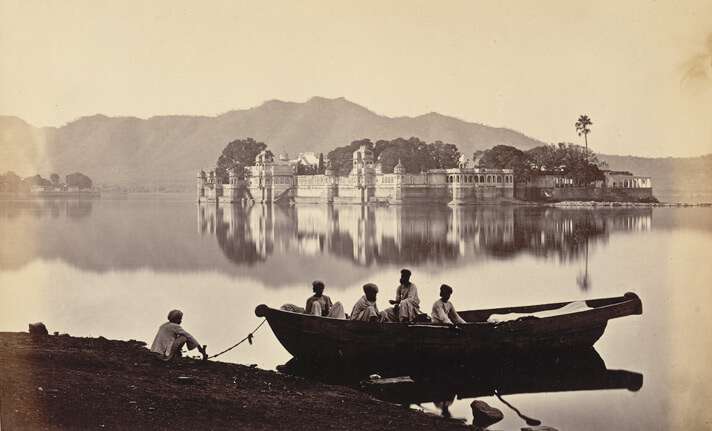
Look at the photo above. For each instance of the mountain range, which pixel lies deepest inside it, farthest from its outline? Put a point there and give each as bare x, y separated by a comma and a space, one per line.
169, 150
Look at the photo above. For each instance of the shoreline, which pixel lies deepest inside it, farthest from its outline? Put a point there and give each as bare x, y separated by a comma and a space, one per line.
65, 382
607, 204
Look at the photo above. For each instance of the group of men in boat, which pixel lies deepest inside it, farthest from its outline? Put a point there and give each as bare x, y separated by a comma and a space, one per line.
405, 306
171, 337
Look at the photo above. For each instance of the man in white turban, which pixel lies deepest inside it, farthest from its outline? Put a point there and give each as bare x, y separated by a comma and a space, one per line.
365, 308
443, 310
171, 338
406, 306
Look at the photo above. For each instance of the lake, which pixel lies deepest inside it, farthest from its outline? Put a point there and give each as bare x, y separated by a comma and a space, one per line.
116, 267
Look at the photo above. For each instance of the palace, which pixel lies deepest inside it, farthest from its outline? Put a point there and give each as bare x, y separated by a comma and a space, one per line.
272, 180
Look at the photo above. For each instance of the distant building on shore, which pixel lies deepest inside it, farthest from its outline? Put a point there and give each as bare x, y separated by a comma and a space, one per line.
270, 180
616, 186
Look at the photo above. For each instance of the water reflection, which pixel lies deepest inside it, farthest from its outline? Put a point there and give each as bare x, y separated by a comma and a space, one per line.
414, 235
54, 208
342, 243
443, 384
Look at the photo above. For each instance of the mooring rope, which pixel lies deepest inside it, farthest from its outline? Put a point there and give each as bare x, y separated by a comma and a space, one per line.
248, 338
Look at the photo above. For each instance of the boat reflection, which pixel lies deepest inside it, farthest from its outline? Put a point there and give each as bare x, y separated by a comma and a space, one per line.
413, 235
443, 383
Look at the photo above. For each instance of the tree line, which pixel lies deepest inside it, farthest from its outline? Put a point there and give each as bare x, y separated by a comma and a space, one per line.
416, 156
571, 160
11, 182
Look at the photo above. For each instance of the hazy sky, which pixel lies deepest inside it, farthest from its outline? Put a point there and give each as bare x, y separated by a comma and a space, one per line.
531, 66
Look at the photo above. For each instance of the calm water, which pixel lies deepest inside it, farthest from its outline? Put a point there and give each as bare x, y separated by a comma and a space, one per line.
115, 267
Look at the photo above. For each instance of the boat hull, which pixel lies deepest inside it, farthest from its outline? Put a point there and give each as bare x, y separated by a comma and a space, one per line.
317, 339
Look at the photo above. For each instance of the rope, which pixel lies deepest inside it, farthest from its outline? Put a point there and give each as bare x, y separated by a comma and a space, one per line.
248, 338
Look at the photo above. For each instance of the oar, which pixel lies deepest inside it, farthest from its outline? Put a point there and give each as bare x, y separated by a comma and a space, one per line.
528, 420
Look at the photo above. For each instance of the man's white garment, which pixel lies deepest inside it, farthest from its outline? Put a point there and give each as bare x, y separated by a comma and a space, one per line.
444, 312
364, 310
408, 304
336, 310
166, 336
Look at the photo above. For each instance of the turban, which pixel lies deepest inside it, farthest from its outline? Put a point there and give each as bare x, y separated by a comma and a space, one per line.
174, 314
445, 288
370, 287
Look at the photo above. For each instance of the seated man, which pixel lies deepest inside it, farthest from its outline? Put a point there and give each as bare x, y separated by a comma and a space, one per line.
365, 308
443, 310
171, 338
320, 304
406, 306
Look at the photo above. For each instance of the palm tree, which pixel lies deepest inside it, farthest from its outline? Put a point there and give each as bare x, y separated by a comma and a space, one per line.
582, 128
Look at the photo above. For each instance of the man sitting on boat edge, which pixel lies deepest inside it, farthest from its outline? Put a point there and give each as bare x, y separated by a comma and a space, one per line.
320, 304
406, 306
365, 308
443, 310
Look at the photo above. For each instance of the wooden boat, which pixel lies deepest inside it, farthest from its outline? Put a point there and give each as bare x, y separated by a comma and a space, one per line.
319, 339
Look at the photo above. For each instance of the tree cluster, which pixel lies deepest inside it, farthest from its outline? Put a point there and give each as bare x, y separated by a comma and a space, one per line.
78, 180
574, 161
414, 154
238, 154
12, 183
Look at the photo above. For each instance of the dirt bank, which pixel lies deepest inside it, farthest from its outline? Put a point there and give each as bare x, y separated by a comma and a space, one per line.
64, 382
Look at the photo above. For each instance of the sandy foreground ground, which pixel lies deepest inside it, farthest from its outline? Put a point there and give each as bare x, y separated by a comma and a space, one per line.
64, 382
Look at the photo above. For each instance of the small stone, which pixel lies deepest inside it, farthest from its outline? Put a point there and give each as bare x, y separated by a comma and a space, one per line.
39, 388
484, 415
38, 329
186, 380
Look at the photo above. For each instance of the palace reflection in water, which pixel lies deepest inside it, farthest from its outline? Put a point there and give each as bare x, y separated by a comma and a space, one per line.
412, 235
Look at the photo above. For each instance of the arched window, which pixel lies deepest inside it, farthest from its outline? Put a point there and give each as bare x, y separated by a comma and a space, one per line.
499, 178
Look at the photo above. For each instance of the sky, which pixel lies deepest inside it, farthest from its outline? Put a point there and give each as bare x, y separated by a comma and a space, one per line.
640, 69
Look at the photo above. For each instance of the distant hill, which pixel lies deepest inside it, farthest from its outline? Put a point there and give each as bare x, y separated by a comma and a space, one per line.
169, 149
